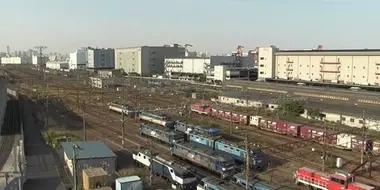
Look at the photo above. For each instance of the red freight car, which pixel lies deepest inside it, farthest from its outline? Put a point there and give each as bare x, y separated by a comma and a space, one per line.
376, 148
201, 109
358, 143
305, 132
293, 129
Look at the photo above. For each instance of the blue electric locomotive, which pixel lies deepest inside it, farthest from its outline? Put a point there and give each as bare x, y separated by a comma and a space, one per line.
161, 134
186, 128
159, 119
171, 171
222, 164
211, 183
220, 145
254, 184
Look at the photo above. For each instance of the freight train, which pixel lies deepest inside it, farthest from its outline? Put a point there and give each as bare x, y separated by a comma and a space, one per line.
158, 133
187, 128
302, 131
206, 158
125, 109
319, 180
211, 183
221, 164
218, 144
159, 119
255, 184
173, 172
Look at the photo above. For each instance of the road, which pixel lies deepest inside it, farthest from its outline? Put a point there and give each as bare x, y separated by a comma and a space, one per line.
307, 89
327, 105
42, 172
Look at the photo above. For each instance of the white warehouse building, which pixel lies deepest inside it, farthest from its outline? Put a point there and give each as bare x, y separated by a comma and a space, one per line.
58, 65
16, 60
196, 65
356, 66
146, 60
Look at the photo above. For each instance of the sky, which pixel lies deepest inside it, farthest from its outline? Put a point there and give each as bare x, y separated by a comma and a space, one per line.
216, 26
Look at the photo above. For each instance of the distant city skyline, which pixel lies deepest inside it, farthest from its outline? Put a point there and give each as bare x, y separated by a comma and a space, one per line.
217, 26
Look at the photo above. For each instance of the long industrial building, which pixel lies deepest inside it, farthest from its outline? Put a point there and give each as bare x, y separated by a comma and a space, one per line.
146, 60
354, 66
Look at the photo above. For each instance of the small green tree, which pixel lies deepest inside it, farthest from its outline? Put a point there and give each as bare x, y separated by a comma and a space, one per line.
291, 108
315, 113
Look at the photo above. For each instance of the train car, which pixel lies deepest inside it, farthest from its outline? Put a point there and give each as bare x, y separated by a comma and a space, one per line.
211, 183
225, 147
126, 109
353, 142
254, 184
207, 158
201, 109
171, 171
320, 180
161, 134
277, 126
115, 107
200, 140
187, 128
159, 119
257, 157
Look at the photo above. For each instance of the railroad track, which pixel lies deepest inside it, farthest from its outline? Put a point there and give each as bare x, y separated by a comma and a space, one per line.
9, 130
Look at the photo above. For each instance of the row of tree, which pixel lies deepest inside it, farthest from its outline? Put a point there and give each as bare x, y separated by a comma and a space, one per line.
296, 108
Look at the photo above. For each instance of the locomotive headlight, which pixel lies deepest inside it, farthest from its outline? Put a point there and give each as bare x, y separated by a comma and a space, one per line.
223, 169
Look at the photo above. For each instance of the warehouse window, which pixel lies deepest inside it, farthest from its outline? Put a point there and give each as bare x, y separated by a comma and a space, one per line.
343, 119
300, 65
363, 67
353, 76
307, 65
354, 67
348, 66
352, 120
261, 72
361, 121
262, 65
261, 58
348, 75
363, 77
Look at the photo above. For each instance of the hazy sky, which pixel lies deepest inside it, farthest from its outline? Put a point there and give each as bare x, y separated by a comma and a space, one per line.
213, 25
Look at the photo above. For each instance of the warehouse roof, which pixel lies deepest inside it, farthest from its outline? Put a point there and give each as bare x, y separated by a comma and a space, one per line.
332, 50
128, 179
87, 149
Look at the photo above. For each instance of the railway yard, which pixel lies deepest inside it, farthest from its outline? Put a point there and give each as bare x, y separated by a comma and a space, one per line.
70, 104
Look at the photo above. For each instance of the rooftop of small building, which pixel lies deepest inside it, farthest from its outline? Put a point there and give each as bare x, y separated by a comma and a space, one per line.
128, 179
87, 149
91, 172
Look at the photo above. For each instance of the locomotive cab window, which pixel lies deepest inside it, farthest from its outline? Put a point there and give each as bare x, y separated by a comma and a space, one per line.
171, 170
340, 181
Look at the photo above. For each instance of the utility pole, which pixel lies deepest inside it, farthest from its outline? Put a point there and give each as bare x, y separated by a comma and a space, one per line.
324, 146
47, 107
77, 100
84, 121
364, 136
151, 162
75, 173
248, 161
102, 99
231, 118
122, 129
